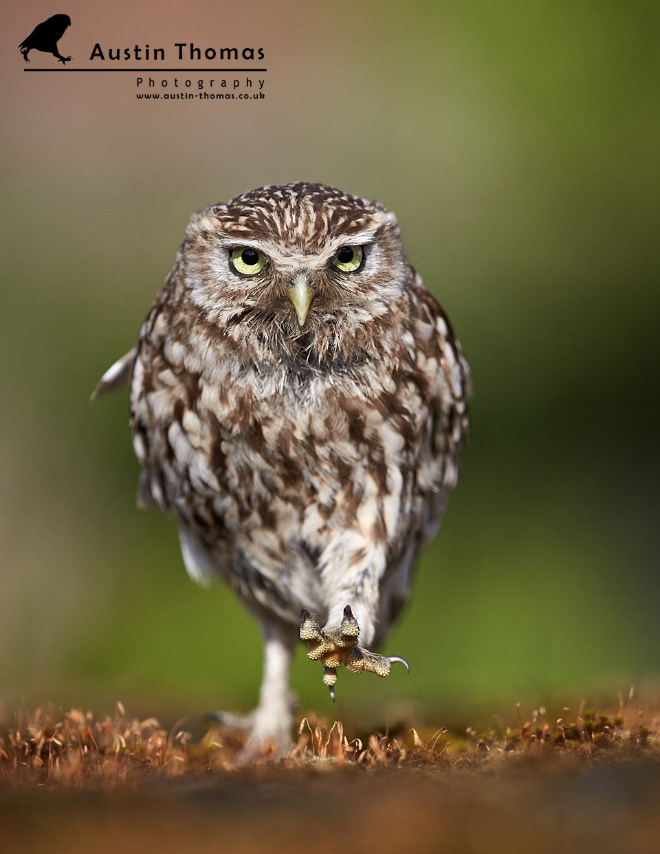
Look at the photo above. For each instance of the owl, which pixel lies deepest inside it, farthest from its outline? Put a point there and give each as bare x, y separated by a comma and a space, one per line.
298, 403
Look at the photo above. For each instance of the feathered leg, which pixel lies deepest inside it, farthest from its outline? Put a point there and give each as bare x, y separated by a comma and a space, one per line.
352, 575
270, 724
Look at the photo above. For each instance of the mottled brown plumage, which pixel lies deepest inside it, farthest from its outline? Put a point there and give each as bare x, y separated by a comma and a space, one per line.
298, 401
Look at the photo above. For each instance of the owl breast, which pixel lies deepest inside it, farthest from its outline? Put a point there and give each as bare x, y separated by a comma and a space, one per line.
275, 472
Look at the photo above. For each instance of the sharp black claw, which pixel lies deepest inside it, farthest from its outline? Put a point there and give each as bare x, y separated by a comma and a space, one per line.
304, 614
332, 692
398, 658
347, 611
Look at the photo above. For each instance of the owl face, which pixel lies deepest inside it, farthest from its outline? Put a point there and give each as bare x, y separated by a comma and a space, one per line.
294, 262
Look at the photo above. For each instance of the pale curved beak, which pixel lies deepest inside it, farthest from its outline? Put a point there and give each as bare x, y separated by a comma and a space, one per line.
301, 296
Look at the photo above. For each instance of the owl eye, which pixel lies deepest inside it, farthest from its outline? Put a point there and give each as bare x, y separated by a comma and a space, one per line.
349, 259
246, 261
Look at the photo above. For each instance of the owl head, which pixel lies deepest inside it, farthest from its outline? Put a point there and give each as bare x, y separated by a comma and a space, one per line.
295, 266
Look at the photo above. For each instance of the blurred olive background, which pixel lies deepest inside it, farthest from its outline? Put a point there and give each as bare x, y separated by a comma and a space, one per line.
518, 144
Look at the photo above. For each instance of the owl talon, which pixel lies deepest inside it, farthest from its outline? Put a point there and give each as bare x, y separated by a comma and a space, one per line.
337, 645
309, 628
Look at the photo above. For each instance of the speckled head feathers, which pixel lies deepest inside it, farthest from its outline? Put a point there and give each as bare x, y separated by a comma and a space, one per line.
301, 215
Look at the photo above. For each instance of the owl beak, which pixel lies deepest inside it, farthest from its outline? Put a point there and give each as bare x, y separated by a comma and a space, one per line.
301, 296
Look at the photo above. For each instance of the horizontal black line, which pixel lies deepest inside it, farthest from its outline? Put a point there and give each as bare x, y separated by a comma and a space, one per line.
150, 70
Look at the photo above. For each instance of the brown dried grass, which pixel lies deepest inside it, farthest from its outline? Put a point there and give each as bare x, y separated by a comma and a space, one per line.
73, 782
76, 749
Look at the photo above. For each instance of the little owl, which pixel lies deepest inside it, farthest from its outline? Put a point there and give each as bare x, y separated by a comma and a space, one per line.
298, 402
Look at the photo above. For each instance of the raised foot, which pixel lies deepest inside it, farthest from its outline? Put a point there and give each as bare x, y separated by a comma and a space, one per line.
337, 645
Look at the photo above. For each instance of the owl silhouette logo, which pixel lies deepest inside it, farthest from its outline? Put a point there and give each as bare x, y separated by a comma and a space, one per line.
45, 37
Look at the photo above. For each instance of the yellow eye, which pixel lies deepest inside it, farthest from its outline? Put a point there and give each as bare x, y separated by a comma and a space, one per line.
349, 259
246, 261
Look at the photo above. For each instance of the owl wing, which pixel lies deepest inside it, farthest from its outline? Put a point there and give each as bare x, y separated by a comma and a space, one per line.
449, 391
117, 376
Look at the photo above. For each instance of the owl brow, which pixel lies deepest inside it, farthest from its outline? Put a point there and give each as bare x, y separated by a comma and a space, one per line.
234, 242
360, 238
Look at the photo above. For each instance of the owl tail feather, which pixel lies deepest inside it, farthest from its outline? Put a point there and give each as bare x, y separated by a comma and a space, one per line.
117, 376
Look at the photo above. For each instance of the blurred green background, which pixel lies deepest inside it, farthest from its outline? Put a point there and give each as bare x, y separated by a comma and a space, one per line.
518, 144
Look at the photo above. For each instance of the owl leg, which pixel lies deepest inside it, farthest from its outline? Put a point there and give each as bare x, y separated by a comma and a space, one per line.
269, 725
337, 645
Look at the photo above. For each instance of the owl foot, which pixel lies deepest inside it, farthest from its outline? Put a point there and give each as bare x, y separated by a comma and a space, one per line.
337, 645
265, 735
231, 720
